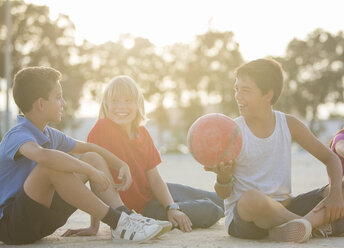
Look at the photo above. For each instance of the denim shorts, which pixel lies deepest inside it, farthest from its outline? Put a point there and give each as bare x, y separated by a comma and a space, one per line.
300, 205
26, 221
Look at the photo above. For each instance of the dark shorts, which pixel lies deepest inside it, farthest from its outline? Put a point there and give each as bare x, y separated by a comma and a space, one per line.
299, 205
26, 221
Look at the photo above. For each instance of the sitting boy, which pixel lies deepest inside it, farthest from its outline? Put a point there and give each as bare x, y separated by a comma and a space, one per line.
41, 185
257, 188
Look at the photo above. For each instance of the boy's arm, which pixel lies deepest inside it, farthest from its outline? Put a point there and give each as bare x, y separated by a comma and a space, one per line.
112, 160
224, 178
334, 202
90, 231
62, 161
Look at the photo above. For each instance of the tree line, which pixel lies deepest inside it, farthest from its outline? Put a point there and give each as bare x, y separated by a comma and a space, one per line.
192, 77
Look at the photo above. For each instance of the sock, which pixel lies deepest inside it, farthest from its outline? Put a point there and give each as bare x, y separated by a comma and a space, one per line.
124, 209
112, 217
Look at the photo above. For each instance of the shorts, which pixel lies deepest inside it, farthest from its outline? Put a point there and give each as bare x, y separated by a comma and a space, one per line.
300, 205
26, 221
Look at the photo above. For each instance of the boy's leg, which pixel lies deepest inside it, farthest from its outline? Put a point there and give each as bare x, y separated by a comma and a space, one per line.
254, 206
144, 228
242, 229
266, 213
303, 205
317, 218
109, 196
42, 182
34, 212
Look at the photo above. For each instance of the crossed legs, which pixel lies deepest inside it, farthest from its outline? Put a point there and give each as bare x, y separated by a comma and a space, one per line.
43, 182
254, 206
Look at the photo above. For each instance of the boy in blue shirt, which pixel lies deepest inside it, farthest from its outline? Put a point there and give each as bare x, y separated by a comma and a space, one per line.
41, 185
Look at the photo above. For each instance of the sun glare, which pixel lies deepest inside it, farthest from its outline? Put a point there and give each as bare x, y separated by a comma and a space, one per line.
262, 28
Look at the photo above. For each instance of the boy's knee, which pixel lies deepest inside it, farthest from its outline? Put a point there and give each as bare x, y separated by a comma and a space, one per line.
44, 171
93, 159
251, 200
90, 156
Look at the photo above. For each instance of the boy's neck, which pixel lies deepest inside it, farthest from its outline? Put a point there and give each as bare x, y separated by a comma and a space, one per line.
262, 125
36, 120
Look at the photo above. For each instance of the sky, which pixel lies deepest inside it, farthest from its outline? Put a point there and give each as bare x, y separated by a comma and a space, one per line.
261, 27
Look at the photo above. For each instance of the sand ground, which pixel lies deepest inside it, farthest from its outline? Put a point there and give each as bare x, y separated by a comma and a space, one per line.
308, 174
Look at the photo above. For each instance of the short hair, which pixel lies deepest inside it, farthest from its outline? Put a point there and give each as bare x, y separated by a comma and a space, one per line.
124, 86
266, 73
32, 83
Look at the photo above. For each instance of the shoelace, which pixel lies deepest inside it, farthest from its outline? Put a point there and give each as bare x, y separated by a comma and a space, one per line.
133, 224
141, 218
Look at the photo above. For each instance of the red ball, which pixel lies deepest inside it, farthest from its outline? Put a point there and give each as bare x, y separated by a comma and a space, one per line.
214, 138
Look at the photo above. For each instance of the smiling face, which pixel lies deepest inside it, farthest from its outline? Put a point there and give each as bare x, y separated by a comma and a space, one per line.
122, 110
123, 103
249, 97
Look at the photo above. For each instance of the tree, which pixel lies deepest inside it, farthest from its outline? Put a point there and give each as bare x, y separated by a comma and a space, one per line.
40, 41
203, 73
314, 73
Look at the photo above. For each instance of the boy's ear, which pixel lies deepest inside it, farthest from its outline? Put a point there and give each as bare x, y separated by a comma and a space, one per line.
268, 96
39, 104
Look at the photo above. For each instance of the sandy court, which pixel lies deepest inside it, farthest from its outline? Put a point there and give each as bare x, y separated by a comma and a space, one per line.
308, 174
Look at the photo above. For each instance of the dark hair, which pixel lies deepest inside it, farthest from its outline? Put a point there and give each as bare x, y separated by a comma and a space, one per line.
266, 73
32, 83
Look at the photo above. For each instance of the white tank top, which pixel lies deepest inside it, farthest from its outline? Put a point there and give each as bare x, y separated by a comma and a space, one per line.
263, 164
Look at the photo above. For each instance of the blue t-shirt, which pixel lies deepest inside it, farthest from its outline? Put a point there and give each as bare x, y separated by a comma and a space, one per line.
15, 169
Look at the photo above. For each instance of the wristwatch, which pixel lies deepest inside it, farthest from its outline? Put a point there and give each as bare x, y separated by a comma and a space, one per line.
173, 206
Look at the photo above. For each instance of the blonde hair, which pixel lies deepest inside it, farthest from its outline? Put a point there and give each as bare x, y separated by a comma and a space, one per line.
124, 86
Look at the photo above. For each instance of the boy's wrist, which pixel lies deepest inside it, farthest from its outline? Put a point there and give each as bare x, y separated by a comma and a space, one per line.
223, 179
335, 190
225, 184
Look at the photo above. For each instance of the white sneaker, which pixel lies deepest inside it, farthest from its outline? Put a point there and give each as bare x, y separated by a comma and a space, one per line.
166, 225
298, 230
130, 229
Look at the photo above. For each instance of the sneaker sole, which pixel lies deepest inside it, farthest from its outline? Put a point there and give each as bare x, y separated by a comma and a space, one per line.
298, 230
165, 229
139, 241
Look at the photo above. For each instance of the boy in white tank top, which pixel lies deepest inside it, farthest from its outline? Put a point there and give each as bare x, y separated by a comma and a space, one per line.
257, 187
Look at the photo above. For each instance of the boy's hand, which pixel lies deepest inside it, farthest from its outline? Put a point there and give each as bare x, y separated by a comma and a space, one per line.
90, 231
334, 208
125, 176
100, 179
223, 169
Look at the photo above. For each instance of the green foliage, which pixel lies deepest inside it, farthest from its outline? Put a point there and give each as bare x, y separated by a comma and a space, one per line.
208, 68
39, 41
196, 78
314, 73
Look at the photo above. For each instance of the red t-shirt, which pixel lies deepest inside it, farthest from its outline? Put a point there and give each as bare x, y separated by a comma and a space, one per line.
140, 154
